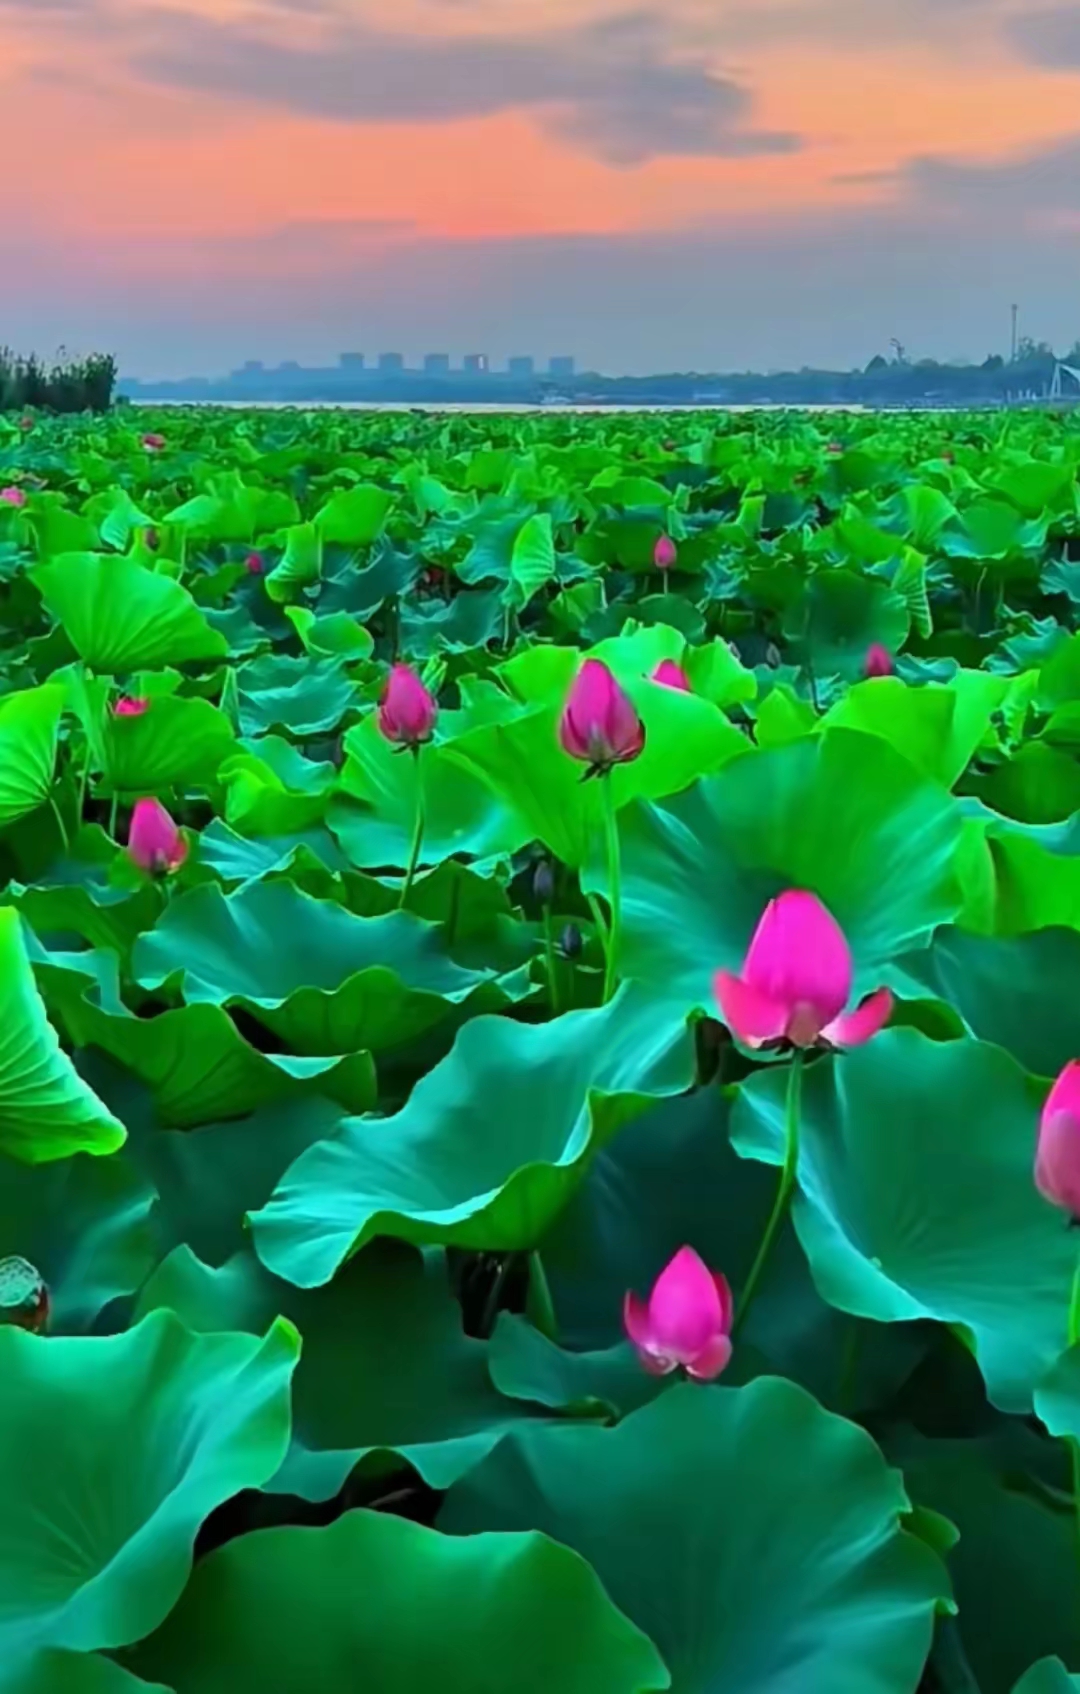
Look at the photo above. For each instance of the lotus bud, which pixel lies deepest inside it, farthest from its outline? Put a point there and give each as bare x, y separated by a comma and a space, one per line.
796, 981
544, 883
599, 724
672, 676
13, 497
154, 841
407, 711
878, 661
131, 706
570, 942
686, 1321
664, 553
1057, 1158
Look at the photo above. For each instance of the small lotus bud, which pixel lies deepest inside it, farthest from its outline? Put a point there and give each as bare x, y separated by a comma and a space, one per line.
544, 883
570, 941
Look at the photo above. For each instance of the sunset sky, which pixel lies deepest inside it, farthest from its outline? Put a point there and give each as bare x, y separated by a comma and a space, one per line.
682, 184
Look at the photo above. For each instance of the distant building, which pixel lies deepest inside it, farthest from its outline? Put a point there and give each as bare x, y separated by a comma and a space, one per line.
523, 365
476, 364
290, 365
436, 364
350, 361
391, 363
563, 365
251, 367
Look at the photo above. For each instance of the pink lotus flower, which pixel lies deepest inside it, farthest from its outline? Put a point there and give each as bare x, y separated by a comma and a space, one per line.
131, 706
664, 553
672, 676
153, 442
13, 496
1057, 1159
796, 980
254, 563
599, 725
154, 842
407, 711
686, 1320
878, 661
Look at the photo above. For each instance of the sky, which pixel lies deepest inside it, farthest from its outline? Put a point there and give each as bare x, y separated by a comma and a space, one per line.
647, 184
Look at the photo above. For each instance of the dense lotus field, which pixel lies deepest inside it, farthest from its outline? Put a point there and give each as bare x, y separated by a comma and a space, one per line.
539, 999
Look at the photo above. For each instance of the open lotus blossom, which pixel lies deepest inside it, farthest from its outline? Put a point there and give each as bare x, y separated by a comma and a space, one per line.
154, 841
153, 442
796, 981
13, 496
131, 706
664, 553
685, 1322
407, 711
599, 724
1057, 1157
878, 661
254, 563
672, 676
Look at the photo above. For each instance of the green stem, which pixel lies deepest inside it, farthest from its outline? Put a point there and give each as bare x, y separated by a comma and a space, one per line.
60, 824
549, 949
598, 919
783, 1193
418, 834
614, 860
491, 1307
113, 810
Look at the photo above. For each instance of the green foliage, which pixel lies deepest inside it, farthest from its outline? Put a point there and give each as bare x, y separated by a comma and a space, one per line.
337, 1159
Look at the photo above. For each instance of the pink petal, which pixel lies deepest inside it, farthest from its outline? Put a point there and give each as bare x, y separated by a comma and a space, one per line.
800, 959
1057, 1160
599, 724
636, 1320
852, 1029
407, 711
684, 1308
727, 1303
749, 1014
878, 661
672, 676
664, 553
714, 1357
154, 841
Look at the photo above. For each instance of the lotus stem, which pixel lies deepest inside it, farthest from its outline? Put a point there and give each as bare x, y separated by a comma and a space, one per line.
60, 824
549, 950
785, 1190
418, 834
614, 864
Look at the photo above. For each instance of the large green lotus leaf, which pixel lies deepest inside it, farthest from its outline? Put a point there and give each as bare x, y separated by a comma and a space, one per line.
1049, 1676
672, 1179
234, 858
194, 1059
755, 1538
355, 516
303, 1608
47, 1112
1014, 1565
1040, 784
468, 621
1016, 991
119, 616
82, 901
85, 1226
304, 696
840, 615
29, 729
271, 801
523, 763
461, 814
917, 1199
322, 979
387, 1375
174, 744
207, 1179
1036, 881
1034, 484
937, 727
56, 1670
489, 1147
140, 1436
840, 814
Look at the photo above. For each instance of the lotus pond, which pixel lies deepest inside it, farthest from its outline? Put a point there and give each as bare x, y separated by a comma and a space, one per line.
539, 991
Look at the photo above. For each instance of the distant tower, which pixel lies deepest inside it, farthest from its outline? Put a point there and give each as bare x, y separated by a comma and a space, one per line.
1015, 318
475, 364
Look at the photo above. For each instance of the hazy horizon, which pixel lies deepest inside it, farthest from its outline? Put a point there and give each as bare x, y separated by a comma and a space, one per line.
720, 184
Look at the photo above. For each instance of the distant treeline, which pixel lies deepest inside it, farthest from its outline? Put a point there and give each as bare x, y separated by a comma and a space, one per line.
67, 385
